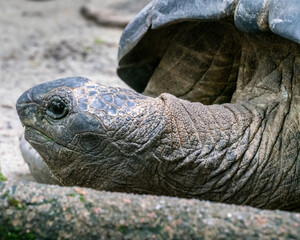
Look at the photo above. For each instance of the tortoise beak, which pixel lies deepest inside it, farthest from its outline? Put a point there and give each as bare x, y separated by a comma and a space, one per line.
25, 107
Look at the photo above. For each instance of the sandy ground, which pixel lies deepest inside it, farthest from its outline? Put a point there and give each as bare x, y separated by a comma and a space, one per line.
42, 41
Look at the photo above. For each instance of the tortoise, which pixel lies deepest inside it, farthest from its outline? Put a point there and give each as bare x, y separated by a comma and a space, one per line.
218, 118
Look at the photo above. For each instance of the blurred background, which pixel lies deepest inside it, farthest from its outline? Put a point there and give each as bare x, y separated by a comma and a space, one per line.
43, 40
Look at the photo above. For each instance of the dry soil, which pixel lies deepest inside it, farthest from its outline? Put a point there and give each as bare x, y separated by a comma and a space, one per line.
42, 41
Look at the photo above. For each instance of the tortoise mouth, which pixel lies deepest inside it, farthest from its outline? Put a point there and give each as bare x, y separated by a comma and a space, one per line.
38, 139
30, 131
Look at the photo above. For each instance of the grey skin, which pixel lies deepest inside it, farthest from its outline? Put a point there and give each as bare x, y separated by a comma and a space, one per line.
241, 147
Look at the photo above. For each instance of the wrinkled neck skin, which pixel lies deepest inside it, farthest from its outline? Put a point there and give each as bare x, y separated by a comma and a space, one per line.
247, 151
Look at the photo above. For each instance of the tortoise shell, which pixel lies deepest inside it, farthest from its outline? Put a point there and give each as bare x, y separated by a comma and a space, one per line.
212, 25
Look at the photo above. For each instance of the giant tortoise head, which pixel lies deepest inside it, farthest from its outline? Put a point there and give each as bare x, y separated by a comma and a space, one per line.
218, 118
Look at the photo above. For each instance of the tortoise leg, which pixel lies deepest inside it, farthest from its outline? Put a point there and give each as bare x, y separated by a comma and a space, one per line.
200, 64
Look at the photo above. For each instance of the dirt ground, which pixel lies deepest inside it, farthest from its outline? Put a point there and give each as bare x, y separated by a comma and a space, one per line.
42, 41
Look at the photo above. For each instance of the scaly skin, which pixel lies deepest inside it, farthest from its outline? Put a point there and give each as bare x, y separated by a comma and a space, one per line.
245, 152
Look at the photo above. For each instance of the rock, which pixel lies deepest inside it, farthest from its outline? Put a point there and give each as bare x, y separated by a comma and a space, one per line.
116, 13
80, 213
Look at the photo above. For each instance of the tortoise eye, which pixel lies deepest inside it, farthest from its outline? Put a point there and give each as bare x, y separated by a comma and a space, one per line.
57, 108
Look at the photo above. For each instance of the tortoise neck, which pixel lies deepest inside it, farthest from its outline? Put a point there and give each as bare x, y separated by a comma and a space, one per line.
226, 152
208, 143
